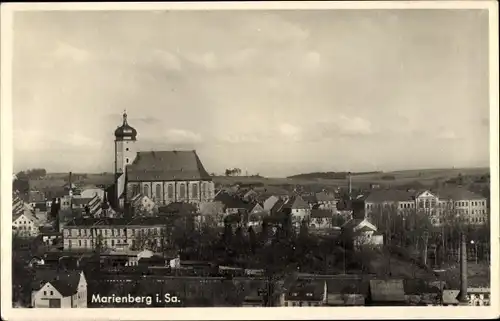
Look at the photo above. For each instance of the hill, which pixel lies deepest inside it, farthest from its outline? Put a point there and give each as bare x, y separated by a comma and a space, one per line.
316, 181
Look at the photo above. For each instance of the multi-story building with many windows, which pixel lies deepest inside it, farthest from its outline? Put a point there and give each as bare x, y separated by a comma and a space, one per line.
114, 233
439, 205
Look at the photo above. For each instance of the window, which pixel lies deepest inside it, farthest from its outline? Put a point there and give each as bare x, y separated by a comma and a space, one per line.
146, 190
182, 191
195, 191
51, 292
44, 292
158, 191
79, 242
126, 149
126, 160
170, 191
112, 242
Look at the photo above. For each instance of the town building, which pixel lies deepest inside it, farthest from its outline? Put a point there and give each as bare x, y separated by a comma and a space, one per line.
326, 201
297, 208
114, 233
62, 290
163, 176
143, 205
386, 293
25, 225
362, 233
440, 205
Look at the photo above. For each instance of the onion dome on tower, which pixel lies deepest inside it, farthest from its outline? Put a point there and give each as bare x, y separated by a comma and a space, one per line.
125, 131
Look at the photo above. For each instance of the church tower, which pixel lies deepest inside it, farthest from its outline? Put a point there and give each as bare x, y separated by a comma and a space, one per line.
125, 152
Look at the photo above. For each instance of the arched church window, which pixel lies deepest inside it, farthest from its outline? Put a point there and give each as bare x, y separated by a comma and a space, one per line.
170, 191
158, 192
182, 191
146, 190
195, 191
137, 190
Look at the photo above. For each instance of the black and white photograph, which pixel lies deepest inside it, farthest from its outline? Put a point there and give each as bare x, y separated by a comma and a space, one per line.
255, 155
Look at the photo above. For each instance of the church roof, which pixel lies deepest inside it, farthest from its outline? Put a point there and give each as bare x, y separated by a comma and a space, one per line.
166, 166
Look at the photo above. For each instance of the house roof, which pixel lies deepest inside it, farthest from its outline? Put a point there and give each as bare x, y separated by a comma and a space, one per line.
310, 198
296, 202
166, 166
390, 195
231, 201
140, 221
458, 193
65, 283
277, 206
387, 290
306, 290
352, 223
324, 197
321, 213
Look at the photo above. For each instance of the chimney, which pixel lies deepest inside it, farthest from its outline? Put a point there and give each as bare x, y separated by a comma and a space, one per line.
462, 297
350, 184
70, 184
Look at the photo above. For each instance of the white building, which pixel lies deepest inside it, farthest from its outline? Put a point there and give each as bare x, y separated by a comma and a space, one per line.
113, 233
439, 205
363, 233
25, 225
68, 290
143, 205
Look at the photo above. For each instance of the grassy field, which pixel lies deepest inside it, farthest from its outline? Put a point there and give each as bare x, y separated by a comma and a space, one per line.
425, 177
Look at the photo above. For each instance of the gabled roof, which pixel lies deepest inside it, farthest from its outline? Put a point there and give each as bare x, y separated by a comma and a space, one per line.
167, 166
65, 283
296, 202
277, 206
387, 290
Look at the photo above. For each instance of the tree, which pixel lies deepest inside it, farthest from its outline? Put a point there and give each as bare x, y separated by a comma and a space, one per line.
304, 230
252, 239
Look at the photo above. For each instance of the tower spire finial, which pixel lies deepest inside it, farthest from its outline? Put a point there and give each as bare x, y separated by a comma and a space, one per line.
124, 117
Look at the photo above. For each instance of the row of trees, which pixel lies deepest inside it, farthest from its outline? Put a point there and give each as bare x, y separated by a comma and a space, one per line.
232, 172
414, 230
34, 173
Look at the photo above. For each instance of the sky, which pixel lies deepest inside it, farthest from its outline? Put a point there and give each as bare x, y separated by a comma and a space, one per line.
270, 92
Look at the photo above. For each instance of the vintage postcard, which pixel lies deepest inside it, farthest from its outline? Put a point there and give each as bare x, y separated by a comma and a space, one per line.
249, 160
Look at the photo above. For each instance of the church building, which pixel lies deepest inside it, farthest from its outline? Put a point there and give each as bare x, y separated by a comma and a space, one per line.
163, 176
